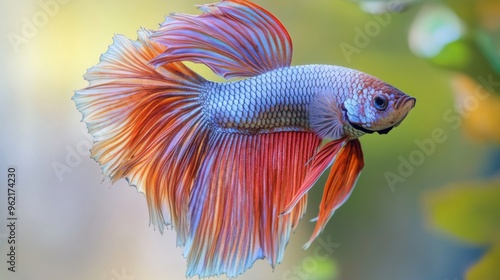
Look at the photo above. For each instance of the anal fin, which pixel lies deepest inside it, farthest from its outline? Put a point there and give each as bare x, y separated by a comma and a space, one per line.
244, 183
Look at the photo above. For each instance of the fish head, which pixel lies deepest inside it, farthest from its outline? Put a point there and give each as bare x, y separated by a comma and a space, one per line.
374, 106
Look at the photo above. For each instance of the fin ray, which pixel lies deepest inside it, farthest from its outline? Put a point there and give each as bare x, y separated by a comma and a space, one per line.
147, 126
234, 38
237, 199
321, 161
340, 183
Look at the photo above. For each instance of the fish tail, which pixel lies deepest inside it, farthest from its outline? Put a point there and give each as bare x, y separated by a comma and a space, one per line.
147, 125
221, 191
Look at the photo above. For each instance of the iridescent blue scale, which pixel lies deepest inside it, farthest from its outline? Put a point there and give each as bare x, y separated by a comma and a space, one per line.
228, 165
278, 100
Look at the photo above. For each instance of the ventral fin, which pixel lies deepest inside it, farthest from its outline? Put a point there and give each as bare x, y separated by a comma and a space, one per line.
340, 183
321, 161
346, 160
234, 38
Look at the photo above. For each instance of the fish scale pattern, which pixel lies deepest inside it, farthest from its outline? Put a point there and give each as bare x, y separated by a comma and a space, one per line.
275, 101
205, 154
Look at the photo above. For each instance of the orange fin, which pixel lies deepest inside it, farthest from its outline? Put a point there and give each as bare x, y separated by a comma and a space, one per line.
321, 161
147, 125
243, 184
340, 183
235, 38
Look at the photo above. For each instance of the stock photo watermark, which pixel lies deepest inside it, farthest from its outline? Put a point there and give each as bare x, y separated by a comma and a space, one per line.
73, 158
11, 220
309, 265
30, 26
425, 148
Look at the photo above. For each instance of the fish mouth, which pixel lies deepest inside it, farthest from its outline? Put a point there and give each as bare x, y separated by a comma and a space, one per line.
402, 102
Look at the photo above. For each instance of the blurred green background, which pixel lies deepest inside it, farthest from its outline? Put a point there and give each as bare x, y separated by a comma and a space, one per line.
415, 213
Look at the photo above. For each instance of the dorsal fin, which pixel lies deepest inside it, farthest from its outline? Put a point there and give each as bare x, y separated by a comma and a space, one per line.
234, 38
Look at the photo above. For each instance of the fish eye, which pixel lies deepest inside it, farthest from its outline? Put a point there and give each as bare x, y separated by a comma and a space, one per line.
380, 102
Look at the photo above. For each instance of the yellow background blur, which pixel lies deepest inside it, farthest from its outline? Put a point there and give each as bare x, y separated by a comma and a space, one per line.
73, 225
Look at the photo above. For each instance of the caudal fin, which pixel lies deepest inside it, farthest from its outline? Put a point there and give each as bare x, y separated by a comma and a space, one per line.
147, 125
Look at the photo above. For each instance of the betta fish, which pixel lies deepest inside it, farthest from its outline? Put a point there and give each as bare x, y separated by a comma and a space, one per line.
228, 165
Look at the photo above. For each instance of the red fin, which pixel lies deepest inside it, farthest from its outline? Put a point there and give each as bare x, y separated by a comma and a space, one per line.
321, 161
243, 184
234, 38
147, 125
340, 183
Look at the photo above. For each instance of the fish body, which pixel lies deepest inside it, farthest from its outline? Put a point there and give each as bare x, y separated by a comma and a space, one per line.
286, 99
228, 165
